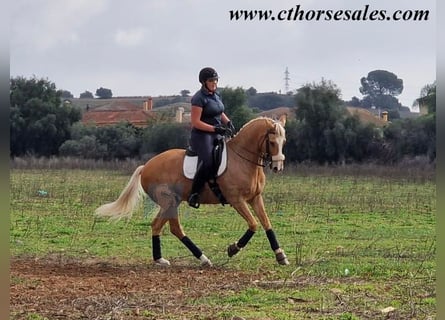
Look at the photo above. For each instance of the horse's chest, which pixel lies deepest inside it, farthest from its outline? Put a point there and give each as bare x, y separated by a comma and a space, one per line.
257, 183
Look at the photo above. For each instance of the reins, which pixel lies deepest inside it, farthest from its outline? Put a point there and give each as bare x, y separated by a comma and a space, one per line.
265, 158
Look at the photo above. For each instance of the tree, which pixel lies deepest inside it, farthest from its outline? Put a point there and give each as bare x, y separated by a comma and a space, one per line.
86, 95
235, 106
355, 102
325, 131
160, 137
428, 97
361, 140
39, 122
83, 143
410, 138
270, 100
384, 102
123, 140
66, 94
319, 111
428, 122
380, 88
104, 93
87, 147
251, 91
185, 93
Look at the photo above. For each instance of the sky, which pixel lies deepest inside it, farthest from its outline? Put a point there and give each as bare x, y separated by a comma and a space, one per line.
157, 47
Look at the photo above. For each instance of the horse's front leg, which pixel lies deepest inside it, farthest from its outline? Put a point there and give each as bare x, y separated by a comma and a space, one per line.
257, 204
244, 211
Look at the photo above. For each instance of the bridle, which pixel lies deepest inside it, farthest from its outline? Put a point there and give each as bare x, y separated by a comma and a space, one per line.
264, 158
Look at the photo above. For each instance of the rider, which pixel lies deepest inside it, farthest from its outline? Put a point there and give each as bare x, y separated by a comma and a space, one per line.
208, 121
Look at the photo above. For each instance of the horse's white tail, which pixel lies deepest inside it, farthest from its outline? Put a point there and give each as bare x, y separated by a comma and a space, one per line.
129, 198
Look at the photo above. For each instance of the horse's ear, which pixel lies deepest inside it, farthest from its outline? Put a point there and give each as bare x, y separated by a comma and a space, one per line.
282, 120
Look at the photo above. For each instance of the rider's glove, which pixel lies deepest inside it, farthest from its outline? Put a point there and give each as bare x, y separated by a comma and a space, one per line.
231, 128
220, 129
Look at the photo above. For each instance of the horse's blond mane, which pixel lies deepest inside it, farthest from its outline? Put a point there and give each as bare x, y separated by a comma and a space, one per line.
279, 128
276, 124
253, 120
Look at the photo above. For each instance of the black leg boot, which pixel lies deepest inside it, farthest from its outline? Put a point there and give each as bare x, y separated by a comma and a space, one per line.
198, 184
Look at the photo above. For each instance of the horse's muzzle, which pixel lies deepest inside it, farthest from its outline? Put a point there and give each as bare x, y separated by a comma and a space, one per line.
277, 163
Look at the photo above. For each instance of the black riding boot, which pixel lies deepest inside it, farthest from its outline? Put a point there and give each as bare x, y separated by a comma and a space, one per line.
198, 184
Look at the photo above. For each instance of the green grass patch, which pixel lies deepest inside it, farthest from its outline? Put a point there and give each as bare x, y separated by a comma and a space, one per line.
367, 242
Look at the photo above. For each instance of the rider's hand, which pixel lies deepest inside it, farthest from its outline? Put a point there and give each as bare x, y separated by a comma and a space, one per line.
220, 129
231, 128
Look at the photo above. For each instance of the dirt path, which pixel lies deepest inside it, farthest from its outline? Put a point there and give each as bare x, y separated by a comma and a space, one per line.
59, 288
92, 289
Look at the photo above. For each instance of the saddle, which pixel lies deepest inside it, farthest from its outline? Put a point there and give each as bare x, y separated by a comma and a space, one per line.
219, 155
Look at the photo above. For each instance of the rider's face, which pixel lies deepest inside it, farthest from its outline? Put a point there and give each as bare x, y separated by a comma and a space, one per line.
212, 84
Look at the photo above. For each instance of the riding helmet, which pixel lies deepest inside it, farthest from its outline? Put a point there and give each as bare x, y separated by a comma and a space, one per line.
207, 73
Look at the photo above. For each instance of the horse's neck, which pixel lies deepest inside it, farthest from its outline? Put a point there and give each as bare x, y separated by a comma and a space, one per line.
249, 138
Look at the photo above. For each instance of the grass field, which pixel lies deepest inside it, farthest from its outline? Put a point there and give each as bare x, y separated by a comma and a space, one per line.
360, 246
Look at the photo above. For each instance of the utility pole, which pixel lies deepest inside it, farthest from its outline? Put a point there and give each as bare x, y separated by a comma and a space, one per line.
286, 81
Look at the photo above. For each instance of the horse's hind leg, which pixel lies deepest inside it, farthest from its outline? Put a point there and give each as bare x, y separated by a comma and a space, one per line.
258, 206
168, 203
156, 229
178, 231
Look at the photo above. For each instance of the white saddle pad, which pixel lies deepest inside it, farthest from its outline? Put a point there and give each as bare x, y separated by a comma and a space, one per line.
190, 164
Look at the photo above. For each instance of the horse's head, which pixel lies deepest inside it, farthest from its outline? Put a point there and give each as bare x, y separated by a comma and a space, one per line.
260, 142
274, 142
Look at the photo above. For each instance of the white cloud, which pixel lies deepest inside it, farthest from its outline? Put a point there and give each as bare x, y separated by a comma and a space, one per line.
46, 24
158, 47
131, 37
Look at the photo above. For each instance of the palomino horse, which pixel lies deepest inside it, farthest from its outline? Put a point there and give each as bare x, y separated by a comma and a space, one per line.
258, 142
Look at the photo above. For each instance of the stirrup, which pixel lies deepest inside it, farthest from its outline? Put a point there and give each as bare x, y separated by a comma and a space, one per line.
193, 200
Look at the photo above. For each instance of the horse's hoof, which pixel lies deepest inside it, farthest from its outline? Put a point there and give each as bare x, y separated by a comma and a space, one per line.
281, 258
162, 262
205, 262
232, 250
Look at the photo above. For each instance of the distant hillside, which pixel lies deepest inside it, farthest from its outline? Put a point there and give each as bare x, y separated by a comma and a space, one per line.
366, 116
100, 103
277, 112
270, 100
171, 104
158, 102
